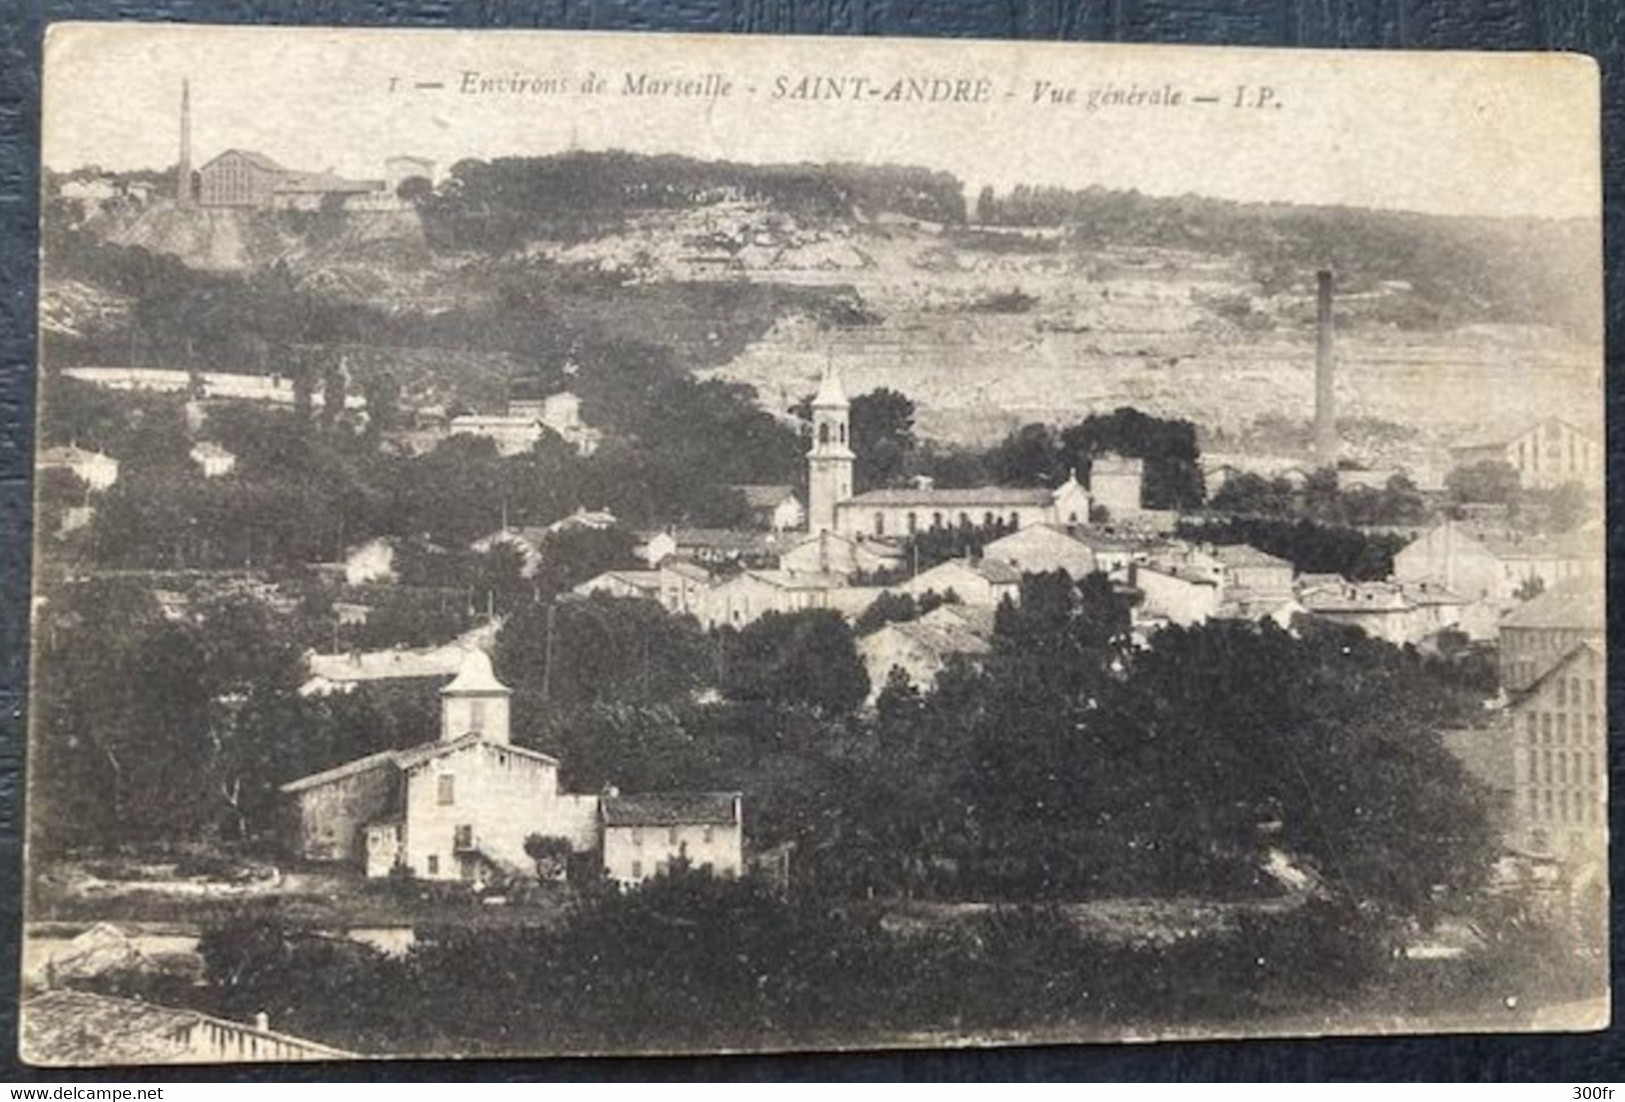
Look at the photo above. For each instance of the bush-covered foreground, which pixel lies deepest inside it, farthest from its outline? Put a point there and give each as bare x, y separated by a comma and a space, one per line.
688, 962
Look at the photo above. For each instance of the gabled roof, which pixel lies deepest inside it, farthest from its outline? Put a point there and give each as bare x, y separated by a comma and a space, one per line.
941, 638
429, 751
1561, 665
1572, 607
997, 496
258, 160
685, 569
973, 618
669, 808
384, 759
1242, 554
997, 573
766, 496
65, 1028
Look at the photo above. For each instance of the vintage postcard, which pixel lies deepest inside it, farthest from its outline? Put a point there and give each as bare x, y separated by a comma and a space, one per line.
621, 543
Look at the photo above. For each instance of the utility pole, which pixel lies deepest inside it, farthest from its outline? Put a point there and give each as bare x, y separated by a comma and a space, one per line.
547, 653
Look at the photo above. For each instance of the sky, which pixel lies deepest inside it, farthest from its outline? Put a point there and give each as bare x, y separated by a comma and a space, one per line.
1459, 133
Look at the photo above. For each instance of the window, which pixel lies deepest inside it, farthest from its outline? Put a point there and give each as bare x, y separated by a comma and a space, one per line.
1562, 692
1530, 725
913, 523
1546, 764
476, 715
880, 524
843, 432
434, 864
1532, 765
671, 836
1534, 798
1546, 727
462, 837
1546, 801
936, 520
1562, 767
637, 870
823, 433
964, 520
637, 836
987, 519
1563, 805
709, 831
446, 791
1562, 728
1591, 691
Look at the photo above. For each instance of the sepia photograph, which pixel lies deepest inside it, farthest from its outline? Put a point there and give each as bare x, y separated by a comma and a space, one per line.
579, 543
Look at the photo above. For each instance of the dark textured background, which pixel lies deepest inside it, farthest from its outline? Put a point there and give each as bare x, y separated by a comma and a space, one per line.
1595, 27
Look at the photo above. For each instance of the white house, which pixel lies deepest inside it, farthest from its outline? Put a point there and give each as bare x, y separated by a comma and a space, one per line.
922, 648
213, 460
774, 507
645, 834
974, 581
95, 469
1042, 548
622, 583
1495, 565
1175, 593
456, 808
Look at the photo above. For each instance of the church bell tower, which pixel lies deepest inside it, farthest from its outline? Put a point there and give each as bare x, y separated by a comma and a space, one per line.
829, 463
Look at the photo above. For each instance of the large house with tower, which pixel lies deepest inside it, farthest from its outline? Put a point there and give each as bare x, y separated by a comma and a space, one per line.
897, 513
460, 806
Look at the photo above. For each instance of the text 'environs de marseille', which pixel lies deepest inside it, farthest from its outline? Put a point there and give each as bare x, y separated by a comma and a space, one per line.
821, 88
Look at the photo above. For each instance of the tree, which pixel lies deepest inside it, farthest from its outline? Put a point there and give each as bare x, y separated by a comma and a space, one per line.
808, 658
1028, 456
1173, 471
986, 206
882, 436
551, 855
1488, 482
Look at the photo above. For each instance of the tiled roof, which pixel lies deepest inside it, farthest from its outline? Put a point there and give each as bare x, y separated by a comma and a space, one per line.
996, 496
942, 639
258, 160
67, 1028
669, 808
429, 751
685, 569
973, 618
765, 496
1572, 607
382, 759
1242, 554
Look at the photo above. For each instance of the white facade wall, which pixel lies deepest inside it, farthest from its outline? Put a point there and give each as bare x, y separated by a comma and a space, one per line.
633, 854
1177, 600
500, 795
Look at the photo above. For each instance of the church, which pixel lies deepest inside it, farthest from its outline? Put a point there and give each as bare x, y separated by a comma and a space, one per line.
899, 513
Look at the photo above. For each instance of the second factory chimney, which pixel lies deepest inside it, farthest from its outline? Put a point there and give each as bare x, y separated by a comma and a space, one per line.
1325, 374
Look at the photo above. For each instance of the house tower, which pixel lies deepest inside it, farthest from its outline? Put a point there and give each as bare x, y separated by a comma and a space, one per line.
475, 703
829, 463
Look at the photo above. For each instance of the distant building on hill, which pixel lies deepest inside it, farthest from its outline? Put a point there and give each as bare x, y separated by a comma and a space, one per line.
1497, 565
96, 470
1549, 453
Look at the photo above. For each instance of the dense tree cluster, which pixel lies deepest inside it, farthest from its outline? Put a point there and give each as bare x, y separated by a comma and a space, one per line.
1310, 547
1396, 503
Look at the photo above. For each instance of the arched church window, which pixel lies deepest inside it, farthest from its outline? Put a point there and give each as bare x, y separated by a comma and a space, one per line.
987, 519
880, 524
936, 520
823, 433
1015, 520
913, 523
843, 432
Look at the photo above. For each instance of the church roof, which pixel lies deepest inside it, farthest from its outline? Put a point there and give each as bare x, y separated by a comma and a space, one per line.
831, 393
765, 496
1001, 496
475, 676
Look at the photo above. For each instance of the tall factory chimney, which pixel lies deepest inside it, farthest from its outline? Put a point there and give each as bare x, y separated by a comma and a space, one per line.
183, 167
1325, 374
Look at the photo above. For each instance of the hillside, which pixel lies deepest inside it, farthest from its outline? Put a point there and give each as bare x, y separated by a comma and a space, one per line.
1052, 305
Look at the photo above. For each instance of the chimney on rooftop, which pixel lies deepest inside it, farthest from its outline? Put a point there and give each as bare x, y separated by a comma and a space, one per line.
262, 1022
1325, 374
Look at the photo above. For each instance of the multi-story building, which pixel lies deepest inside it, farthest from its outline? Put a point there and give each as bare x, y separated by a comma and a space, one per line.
1550, 453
